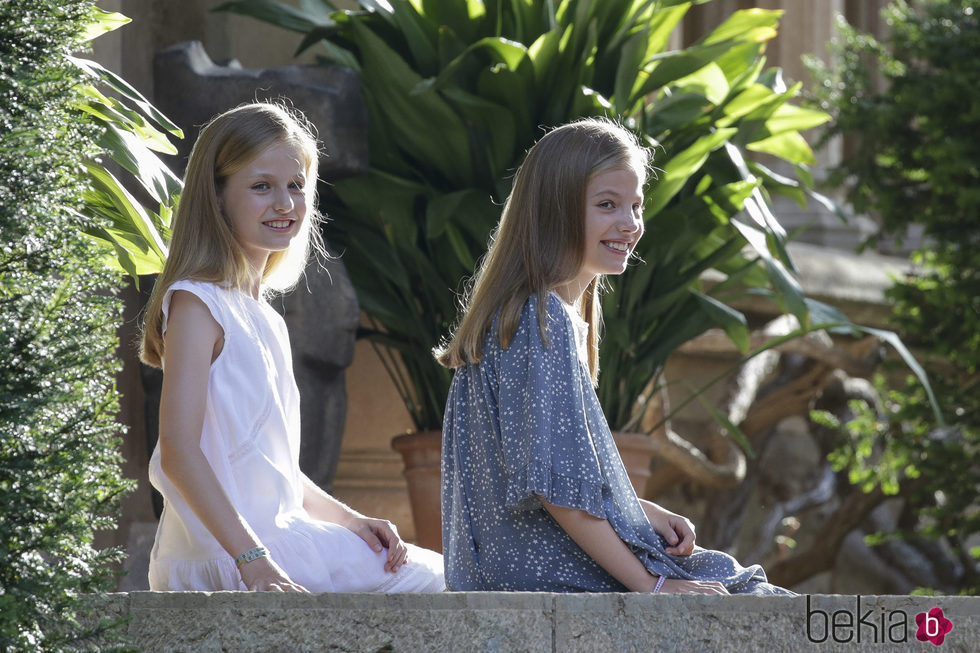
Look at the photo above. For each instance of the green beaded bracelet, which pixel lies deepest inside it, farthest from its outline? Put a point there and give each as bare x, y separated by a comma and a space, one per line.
250, 555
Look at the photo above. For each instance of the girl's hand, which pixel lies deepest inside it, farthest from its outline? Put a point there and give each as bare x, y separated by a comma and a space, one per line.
380, 533
677, 586
676, 529
264, 575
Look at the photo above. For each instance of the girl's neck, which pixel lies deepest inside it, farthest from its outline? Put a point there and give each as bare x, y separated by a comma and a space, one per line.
572, 291
254, 284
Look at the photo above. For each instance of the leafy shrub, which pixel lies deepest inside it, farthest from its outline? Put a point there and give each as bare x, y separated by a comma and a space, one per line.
457, 91
59, 461
911, 102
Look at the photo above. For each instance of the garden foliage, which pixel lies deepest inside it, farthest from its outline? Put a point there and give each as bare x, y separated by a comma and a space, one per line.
59, 440
456, 93
911, 104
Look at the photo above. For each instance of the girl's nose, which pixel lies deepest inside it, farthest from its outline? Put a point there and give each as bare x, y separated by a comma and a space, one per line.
632, 222
283, 202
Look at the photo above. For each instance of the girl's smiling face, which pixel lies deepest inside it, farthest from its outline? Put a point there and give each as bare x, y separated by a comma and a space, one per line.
265, 202
613, 226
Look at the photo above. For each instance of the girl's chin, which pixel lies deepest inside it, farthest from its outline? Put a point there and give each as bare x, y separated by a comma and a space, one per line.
616, 269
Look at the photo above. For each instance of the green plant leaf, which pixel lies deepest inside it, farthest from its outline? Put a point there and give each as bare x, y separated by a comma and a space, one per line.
732, 321
277, 13
507, 53
662, 69
709, 81
727, 425
127, 92
409, 115
420, 35
128, 151
681, 167
131, 214
789, 146
101, 22
442, 209
788, 117
754, 25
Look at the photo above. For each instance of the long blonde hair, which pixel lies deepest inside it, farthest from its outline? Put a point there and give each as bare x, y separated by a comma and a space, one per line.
203, 246
540, 241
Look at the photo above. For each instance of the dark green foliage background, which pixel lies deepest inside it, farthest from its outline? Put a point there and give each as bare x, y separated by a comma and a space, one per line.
59, 475
917, 161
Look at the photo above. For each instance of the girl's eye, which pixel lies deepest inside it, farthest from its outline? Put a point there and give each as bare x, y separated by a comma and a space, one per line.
260, 186
606, 204
296, 185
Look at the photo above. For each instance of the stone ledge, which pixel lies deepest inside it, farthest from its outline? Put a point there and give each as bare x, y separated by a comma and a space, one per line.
517, 621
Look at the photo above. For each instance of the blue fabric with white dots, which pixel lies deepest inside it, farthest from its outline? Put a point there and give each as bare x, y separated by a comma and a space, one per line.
525, 422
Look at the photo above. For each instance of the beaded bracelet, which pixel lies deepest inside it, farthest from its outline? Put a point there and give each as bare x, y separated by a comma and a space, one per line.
660, 583
250, 555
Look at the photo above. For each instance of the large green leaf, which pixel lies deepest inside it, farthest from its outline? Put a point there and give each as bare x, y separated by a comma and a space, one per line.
102, 75
788, 117
731, 320
278, 13
789, 146
502, 51
420, 36
708, 81
101, 22
662, 69
128, 150
632, 56
410, 115
754, 25
681, 167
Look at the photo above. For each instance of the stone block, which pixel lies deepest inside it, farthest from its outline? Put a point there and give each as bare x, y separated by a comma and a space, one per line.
533, 622
242, 622
191, 89
735, 624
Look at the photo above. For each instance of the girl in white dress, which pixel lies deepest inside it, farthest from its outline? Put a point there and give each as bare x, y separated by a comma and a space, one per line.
238, 512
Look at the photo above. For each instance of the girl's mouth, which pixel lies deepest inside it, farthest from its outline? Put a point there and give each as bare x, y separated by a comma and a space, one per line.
279, 225
617, 246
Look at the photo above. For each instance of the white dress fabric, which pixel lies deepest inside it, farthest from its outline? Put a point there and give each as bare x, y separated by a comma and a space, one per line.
251, 438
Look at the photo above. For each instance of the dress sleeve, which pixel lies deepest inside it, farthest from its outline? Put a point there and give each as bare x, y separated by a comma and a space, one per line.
546, 441
204, 292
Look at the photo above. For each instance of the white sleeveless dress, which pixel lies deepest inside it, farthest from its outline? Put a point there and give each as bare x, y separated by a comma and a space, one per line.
251, 438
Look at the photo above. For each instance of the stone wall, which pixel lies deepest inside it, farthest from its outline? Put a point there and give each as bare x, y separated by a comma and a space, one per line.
500, 621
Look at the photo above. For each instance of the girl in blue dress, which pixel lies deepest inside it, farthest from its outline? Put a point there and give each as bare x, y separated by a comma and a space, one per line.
534, 493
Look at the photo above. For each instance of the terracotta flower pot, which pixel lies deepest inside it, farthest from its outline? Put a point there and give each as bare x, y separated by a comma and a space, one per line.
422, 453
636, 450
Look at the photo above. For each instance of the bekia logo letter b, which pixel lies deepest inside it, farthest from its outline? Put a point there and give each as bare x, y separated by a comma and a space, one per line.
933, 626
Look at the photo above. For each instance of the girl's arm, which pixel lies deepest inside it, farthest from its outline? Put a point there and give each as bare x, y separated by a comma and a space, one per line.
676, 529
599, 540
193, 339
377, 533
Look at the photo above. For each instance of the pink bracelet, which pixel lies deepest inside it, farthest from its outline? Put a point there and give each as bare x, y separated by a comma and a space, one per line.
660, 583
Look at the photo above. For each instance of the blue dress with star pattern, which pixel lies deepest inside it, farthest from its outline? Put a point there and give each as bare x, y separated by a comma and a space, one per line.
525, 423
